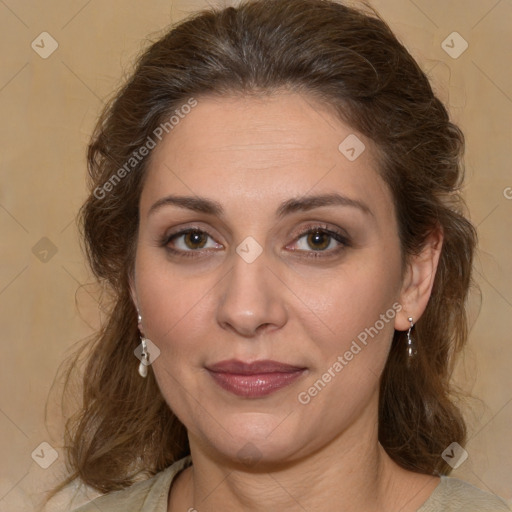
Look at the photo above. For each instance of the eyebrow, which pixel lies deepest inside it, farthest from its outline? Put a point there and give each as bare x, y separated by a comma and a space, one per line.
303, 203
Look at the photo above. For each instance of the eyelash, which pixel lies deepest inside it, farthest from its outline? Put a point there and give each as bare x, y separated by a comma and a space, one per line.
193, 253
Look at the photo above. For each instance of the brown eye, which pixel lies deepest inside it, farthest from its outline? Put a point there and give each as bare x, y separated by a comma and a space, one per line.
321, 241
195, 239
190, 242
318, 240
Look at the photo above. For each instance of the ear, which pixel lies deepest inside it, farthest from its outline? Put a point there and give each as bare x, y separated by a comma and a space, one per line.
419, 280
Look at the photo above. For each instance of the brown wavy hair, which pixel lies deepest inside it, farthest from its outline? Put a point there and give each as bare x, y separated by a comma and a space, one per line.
350, 60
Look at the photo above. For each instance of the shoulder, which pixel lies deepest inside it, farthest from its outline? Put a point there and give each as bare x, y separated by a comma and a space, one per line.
148, 495
454, 495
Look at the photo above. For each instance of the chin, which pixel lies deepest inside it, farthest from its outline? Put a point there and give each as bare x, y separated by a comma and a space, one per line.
256, 440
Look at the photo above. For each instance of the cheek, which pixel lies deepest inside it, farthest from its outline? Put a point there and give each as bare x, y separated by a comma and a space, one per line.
176, 308
172, 309
361, 326
351, 350
353, 299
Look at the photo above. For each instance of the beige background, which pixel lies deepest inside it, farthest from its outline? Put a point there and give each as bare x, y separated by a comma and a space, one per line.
48, 108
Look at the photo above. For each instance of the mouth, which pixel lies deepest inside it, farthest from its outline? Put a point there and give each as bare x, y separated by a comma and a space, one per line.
256, 379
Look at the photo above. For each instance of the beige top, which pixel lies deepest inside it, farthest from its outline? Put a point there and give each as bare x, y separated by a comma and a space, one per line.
451, 495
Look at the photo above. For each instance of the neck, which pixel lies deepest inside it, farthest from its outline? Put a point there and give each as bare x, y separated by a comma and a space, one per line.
353, 472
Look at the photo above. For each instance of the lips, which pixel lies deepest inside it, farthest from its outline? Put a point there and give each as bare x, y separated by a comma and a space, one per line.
256, 379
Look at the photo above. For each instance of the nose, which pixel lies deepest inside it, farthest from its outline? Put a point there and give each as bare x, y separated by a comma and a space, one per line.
252, 300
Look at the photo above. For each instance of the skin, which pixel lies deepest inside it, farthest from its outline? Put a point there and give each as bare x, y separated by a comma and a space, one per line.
250, 155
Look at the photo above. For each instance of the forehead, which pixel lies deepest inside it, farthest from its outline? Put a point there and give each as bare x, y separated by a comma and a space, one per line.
264, 150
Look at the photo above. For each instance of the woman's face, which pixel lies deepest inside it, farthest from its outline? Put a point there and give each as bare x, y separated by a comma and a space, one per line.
292, 262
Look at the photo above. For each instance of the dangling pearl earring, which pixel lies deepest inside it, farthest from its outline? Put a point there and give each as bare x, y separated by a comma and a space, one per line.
411, 343
144, 362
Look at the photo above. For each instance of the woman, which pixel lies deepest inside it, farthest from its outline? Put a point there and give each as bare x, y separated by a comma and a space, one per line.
274, 204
